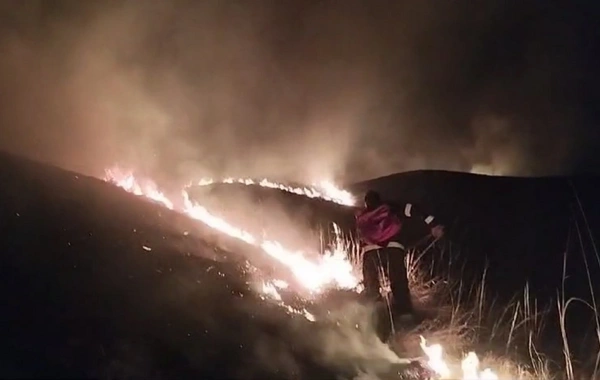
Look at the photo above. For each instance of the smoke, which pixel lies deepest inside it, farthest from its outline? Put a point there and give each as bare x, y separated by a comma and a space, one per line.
345, 343
299, 90
350, 344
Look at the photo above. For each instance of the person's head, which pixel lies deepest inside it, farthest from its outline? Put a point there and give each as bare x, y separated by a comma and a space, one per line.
372, 199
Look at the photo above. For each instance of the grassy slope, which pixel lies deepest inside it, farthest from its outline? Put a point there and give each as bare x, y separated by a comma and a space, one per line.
81, 297
521, 229
84, 298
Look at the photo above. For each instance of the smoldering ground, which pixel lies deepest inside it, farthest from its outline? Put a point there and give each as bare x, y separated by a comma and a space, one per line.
298, 90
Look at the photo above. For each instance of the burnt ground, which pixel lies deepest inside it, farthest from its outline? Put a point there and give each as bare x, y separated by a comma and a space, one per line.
83, 298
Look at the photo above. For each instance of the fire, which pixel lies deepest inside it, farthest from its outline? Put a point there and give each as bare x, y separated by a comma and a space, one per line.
198, 212
436, 361
469, 365
127, 181
270, 289
324, 190
332, 268
313, 271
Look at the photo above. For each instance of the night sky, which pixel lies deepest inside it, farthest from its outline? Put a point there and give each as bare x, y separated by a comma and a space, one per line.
300, 90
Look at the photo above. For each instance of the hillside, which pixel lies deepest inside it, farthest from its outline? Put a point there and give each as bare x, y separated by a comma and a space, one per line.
99, 283
102, 283
523, 231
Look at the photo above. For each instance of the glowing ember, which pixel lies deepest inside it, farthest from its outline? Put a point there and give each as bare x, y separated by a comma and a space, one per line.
324, 190
270, 290
280, 284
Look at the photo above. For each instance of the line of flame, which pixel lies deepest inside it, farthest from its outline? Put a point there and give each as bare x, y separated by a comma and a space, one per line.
324, 189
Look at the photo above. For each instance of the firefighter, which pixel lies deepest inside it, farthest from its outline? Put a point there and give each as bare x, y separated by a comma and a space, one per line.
383, 245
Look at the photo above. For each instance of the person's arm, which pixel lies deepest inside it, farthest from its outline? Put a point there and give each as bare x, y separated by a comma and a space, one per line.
413, 211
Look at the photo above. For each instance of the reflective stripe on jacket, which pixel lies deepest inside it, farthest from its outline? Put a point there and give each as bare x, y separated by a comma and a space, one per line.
374, 247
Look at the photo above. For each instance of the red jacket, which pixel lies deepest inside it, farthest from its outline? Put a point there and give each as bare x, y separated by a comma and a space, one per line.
378, 226
384, 225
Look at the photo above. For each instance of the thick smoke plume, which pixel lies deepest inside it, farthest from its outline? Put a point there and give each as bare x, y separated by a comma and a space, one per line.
299, 90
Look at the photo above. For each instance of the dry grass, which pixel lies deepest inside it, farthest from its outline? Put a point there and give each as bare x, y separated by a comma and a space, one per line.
463, 319
466, 320
584, 370
506, 336
479, 323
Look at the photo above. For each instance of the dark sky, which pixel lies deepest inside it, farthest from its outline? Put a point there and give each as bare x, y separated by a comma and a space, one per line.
302, 89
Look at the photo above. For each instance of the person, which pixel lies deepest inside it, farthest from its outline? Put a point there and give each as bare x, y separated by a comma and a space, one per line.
384, 239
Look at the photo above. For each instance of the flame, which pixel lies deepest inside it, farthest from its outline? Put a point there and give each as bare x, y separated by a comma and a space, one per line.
198, 212
270, 290
331, 269
436, 361
325, 190
469, 365
127, 181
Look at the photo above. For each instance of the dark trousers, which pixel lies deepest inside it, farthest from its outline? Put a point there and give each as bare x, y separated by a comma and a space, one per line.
390, 261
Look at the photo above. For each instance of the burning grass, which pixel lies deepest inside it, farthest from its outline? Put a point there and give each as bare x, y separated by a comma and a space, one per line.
463, 319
